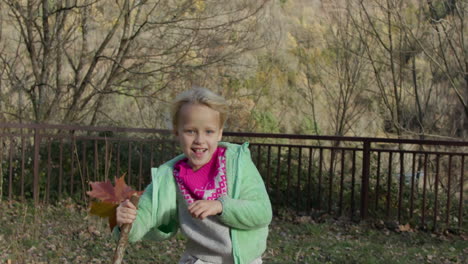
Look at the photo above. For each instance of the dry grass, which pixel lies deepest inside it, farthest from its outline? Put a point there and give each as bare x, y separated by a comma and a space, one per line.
65, 233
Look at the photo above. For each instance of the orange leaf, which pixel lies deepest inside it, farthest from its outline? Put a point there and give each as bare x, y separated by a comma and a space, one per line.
103, 209
112, 221
109, 198
104, 191
405, 228
122, 190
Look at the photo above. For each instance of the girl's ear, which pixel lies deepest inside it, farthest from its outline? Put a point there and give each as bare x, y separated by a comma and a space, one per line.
220, 134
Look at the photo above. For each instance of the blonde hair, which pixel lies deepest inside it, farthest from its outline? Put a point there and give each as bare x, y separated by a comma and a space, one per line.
198, 95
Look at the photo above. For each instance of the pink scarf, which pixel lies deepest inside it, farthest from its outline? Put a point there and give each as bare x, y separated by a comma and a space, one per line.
207, 183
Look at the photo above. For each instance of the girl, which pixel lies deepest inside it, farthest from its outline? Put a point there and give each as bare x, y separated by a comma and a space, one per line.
213, 192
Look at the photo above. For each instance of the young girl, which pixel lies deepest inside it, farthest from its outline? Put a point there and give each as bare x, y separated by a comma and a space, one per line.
213, 192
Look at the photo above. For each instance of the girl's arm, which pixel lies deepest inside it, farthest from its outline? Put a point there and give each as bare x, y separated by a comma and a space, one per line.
143, 221
252, 209
143, 216
156, 214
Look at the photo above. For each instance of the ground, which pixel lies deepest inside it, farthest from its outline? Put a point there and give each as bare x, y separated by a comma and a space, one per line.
66, 233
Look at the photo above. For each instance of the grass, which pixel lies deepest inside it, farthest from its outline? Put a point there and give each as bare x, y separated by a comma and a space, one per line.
65, 233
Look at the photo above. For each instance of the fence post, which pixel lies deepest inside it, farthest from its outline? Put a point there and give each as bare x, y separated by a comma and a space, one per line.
1, 169
37, 143
365, 179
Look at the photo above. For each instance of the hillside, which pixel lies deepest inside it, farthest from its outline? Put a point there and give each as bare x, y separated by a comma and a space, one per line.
330, 67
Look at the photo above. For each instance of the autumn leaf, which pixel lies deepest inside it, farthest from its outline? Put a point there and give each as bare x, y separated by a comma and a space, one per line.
109, 197
104, 191
405, 228
122, 190
103, 209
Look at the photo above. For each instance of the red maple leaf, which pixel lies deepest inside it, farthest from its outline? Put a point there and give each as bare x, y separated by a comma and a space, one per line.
109, 197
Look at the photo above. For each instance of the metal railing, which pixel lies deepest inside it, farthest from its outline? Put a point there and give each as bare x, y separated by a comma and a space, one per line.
405, 180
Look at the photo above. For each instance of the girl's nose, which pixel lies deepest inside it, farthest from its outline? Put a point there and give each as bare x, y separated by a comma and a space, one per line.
198, 138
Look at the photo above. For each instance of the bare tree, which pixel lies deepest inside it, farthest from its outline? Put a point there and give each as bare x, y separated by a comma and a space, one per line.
338, 75
64, 59
344, 81
401, 39
447, 50
378, 31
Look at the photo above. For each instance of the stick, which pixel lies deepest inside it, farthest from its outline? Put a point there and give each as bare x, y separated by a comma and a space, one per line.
123, 240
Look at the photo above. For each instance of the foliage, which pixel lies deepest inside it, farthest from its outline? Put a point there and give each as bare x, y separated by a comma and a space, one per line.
72, 62
309, 127
266, 121
366, 68
109, 198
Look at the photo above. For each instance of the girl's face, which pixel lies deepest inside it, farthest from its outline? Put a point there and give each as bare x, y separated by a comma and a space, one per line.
198, 132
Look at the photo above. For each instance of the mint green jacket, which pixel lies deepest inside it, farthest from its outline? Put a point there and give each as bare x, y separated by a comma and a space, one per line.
246, 208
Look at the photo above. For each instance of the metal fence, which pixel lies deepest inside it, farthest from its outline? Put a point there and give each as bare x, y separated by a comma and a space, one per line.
417, 181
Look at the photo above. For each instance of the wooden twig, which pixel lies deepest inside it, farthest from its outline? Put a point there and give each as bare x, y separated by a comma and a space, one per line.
123, 240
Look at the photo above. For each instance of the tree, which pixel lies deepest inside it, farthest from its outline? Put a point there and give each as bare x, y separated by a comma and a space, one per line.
332, 71
404, 41
344, 80
65, 60
447, 50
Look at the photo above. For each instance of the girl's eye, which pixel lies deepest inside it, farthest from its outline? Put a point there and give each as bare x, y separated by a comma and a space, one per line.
210, 131
189, 131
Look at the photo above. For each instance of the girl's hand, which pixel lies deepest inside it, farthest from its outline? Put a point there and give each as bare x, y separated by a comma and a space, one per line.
126, 213
203, 208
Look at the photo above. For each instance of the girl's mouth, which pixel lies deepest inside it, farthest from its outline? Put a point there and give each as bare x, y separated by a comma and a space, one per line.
199, 151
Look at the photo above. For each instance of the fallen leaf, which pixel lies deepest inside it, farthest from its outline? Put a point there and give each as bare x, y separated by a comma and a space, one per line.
51, 247
93, 230
303, 220
33, 248
405, 228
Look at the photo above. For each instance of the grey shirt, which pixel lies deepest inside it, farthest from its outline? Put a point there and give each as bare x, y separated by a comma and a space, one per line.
208, 239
